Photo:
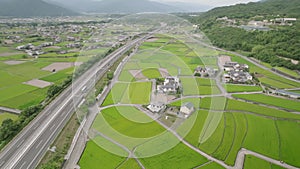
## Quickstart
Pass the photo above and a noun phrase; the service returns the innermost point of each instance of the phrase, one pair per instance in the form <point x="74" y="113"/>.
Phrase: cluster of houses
<point x="276" y="21"/>
<point x="32" y="50"/>
<point x="237" y="73"/>
<point x="71" y="35"/>
<point x="205" y="72"/>
<point x="170" y="85"/>
<point x="262" y="24"/>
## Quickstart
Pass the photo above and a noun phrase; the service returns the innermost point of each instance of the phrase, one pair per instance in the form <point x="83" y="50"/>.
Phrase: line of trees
<point x="9" y="128"/>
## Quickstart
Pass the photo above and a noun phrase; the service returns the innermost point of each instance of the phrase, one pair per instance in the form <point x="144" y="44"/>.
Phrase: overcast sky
<point x="213" y="3"/>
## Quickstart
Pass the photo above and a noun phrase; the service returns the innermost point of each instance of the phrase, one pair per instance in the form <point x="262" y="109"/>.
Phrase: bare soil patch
<point x="223" y="59"/>
<point x="53" y="47"/>
<point x="152" y="40"/>
<point x="164" y="72"/>
<point x="58" y="66"/>
<point x="9" y="54"/>
<point x="38" y="83"/>
<point x="137" y="74"/>
<point x="14" y="62"/>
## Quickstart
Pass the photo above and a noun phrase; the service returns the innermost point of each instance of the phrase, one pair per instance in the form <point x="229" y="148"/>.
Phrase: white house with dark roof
<point x="156" y="107"/>
<point x="187" y="109"/>
<point x="204" y="72"/>
<point x="170" y="85"/>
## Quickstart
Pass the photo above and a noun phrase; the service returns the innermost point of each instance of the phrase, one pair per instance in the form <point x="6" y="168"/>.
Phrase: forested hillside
<point x="273" y="46"/>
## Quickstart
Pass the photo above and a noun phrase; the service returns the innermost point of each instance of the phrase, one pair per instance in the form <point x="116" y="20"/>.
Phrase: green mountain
<point x="284" y="8"/>
<point x="28" y="8"/>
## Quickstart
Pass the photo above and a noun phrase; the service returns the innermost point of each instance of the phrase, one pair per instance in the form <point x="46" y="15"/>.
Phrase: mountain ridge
<point x="118" y="6"/>
<point x="30" y="8"/>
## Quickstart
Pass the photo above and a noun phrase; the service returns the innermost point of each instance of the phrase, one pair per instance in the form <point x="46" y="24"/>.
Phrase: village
<point x="59" y="37"/>
<point x="257" y="23"/>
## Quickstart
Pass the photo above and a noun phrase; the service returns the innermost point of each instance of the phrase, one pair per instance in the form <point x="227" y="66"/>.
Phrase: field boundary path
<point x="9" y="110"/>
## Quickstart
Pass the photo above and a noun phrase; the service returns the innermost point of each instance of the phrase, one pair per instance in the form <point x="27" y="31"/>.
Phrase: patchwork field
<point x="151" y="73"/>
<point x="220" y="126"/>
<point x="94" y="156"/>
<point x="133" y="124"/>
<point x="253" y="162"/>
<point x="241" y="88"/>
<point x="178" y="157"/>
<point x="129" y="93"/>
<point x="259" y="110"/>
<point x="199" y="86"/>
<point x="128" y="131"/>
<point x="27" y="80"/>
<point x="271" y="100"/>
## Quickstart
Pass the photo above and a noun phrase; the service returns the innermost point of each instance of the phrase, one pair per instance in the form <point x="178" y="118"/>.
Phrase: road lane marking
<point x="23" y="164"/>
<point x="36" y="126"/>
<point x="1" y="164"/>
<point x="52" y="128"/>
<point x="39" y="144"/>
<point x="20" y="143"/>
<point x="62" y="113"/>
<point x="46" y="142"/>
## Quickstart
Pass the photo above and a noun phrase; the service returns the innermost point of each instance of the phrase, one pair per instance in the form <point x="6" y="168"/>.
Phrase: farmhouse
<point x="285" y="20"/>
<point x="237" y="77"/>
<point x="187" y="109"/>
<point x="156" y="107"/>
<point x="170" y="85"/>
<point x="229" y="66"/>
<point x="204" y="72"/>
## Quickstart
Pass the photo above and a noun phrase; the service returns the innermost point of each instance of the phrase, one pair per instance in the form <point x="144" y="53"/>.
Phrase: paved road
<point x="26" y="149"/>
<point x="239" y="163"/>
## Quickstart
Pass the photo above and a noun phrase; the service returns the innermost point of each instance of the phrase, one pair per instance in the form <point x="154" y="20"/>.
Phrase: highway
<point x="29" y="146"/>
